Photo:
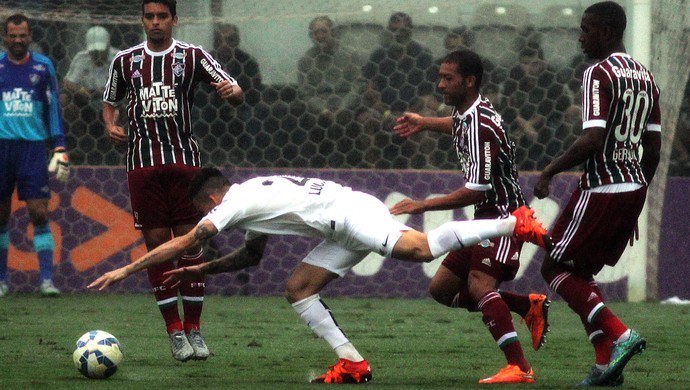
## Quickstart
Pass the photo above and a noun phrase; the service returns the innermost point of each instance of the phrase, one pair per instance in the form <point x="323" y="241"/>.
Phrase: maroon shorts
<point x="595" y="228"/>
<point x="160" y="196"/>
<point x="498" y="257"/>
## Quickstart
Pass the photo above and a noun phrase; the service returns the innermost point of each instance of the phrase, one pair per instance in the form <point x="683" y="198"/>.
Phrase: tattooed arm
<point x="169" y="251"/>
<point x="246" y="256"/>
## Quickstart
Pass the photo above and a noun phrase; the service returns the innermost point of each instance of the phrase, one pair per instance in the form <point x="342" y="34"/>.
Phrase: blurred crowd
<point x="340" y="112"/>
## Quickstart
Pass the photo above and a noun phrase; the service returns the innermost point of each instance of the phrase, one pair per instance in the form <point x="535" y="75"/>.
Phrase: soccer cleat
<point x="537" y="319"/>
<point x="528" y="228"/>
<point x="4" y="290"/>
<point x="621" y="353"/>
<point x="196" y="340"/>
<point x="346" y="371"/>
<point x="594" y="379"/>
<point x="510" y="374"/>
<point x="48" y="289"/>
<point x="181" y="349"/>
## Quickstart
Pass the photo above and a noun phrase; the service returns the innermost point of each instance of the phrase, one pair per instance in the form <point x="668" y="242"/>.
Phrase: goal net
<point x="304" y="113"/>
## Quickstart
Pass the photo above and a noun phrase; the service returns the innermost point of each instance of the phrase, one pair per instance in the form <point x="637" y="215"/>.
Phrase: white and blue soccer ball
<point x="97" y="354"/>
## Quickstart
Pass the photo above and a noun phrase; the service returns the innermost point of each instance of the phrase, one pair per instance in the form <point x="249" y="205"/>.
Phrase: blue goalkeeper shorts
<point x="23" y="164"/>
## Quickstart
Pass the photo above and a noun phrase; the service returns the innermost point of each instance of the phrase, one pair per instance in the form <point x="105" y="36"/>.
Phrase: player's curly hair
<point x="469" y="64"/>
<point x="207" y="181"/>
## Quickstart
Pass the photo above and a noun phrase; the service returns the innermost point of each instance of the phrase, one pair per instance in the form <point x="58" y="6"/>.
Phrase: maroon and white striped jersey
<point x="160" y="89"/>
<point x="487" y="159"/>
<point x="620" y="95"/>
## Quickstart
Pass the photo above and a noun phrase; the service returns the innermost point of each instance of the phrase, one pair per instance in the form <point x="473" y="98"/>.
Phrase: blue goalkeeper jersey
<point x="29" y="109"/>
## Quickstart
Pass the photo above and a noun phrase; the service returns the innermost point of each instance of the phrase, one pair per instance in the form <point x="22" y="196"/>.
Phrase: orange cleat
<point x="346" y="371"/>
<point x="537" y="319"/>
<point x="528" y="228"/>
<point x="510" y="374"/>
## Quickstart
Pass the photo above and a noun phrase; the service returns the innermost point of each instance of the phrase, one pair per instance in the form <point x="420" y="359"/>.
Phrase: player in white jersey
<point x="351" y="224"/>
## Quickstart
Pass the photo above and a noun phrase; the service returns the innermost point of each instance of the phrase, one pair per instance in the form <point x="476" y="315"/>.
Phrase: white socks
<point x="318" y="317"/>
<point x="459" y="234"/>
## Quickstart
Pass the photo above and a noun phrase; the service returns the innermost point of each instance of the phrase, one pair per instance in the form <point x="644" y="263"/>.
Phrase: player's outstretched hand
<point x="407" y="206"/>
<point x="175" y="276"/>
<point x="408" y="124"/>
<point x="541" y="189"/>
<point x="108" y="278"/>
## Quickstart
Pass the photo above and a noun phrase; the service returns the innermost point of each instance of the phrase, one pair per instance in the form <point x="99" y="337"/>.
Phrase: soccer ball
<point x="97" y="354"/>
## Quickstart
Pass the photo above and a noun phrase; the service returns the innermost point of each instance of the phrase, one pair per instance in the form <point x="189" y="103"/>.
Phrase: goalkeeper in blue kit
<point x="29" y="118"/>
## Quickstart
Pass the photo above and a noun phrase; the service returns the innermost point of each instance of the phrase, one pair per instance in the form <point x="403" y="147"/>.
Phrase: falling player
<point x="351" y="224"/>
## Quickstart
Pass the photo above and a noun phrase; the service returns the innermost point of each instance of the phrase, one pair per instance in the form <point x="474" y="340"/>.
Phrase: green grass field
<point x="260" y="343"/>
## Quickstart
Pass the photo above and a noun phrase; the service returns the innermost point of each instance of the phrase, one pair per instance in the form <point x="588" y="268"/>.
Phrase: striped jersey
<point x="620" y="95"/>
<point x="487" y="159"/>
<point x="30" y="107"/>
<point x="160" y="87"/>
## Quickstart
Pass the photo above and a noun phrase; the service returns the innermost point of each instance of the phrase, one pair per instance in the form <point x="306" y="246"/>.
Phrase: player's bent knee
<point x="440" y="294"/>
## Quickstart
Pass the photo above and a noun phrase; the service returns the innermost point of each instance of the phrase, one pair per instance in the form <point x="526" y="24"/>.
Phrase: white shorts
<point x="367" y="227"/>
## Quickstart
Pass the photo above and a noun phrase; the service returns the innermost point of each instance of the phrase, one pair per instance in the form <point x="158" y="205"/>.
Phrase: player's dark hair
<point x="207" y="181"/>
<point x="468" y="64"/>
<point x="611" y="14"/>
<point x="171" y="4"/>
<point x="17" y="19"/>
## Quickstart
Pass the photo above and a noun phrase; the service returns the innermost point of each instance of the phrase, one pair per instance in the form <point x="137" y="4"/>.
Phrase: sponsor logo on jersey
<point x="180" y="56"/>
<point x="486" y="243"/>
<point x="487" y="160"/>
<point x="628" y="73"/>
<point x="137" y="58"/>
<point x="596" y="104"/>
<point x="516" y="256"/>
<point x="34" y="78"/>
<point x="113" y="86"/>
<point x="18" y="102"/>
<point x="211" y="70"/>
<point x="486" y="261"/>
<point x="40" y="68"/>
<point x="136" y="74"/>
<point x="158" y="100"/>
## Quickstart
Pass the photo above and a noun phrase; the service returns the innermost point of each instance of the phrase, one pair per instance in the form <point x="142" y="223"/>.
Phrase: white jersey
<point x="282" y="205"/>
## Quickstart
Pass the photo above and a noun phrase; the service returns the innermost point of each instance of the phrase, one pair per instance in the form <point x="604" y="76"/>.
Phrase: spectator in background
<point x="328" y="71"/>
<point x="221" y="123"/>
<point x="397" y="70"/>
<point x="239" y="63"/>
<point x="82" y="91"/>
<point x="536" y="103"/>
<point x="89" y="68"/>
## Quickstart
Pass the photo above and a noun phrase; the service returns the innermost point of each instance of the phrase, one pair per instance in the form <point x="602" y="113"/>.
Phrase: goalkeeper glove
<point x="59" y="164"/>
